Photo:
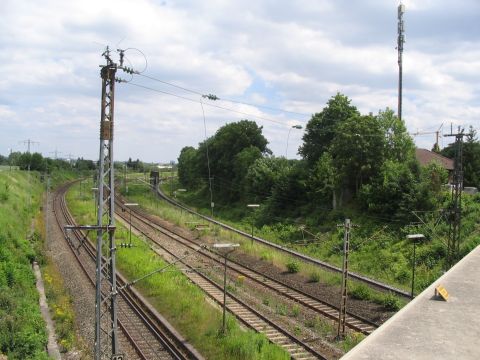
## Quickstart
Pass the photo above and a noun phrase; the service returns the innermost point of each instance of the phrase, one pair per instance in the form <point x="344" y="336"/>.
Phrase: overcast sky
<point x="292" y="55"/>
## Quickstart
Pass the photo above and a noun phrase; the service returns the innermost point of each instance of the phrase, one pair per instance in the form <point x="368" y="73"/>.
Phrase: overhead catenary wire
<point x="225" y="99"/>
<point x="208" y="104"/>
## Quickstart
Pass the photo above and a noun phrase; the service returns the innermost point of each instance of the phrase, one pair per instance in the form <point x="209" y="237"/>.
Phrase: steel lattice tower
<point x="453" y="246"/>
<point x="342" y="312"/>
<point x="400" y="42"/>
<point x="106" y="339"/>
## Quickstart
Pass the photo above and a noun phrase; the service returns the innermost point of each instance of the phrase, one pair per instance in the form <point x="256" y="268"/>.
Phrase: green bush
<point x="266" y="256"/>
<point x="391" y="302"/>
<point x="314" y="277"/>
<point x="282" y="309"/>
<point x="293" y="267"/>
<point x="361" y="292"/>
<point x="402" y="275"/>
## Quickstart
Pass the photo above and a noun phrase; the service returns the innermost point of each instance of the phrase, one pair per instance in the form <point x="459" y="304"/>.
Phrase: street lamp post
<point x="288" y="137"/>
<point x="253" y="206"/>
<point x="231" y="247"/>
<point x="414" y="238"/>
<point x="129" y="205"/>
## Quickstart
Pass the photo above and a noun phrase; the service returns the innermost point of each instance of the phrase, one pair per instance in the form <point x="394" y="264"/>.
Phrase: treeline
<point x="348" y="160"/>
<point x="36" y="162"/>
<point x="135" y="166"/>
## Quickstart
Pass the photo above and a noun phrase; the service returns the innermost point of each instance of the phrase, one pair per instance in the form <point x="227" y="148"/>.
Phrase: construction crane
<point x="436" y="147"/>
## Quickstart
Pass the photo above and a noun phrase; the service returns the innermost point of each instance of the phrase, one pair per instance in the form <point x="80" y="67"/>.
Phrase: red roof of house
<point x="426" y="157"/>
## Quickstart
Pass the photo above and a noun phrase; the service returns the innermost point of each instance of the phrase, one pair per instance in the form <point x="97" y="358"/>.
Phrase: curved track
<point x="324" y="308"/>
<point x="373" y="283"/>
<point x="142" y="328"/>
<point x="150" y="228"/>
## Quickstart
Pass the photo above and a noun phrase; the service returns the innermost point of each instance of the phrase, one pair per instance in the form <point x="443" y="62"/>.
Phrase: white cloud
<point x="295" y="56"/>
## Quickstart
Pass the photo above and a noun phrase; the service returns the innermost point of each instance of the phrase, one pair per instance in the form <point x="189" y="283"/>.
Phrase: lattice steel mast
<point x="455" y="214"/>
<point x="400" y="42"/>
<point x="106" y="336"/>
<point x="342" y="312"/>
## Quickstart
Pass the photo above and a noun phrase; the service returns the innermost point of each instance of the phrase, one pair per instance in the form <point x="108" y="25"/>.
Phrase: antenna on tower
<point x="400" y="42"/>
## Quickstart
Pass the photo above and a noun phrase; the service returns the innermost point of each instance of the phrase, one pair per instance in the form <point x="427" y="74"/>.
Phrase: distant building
<point x="426" y="157"/>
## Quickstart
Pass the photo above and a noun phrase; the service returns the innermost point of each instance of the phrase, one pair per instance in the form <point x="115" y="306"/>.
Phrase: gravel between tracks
<point x="78" y="286"/>
<point x="258" y="297"/>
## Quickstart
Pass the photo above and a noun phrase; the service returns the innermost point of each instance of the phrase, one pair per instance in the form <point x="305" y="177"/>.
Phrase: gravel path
<point x="52" y="346"/>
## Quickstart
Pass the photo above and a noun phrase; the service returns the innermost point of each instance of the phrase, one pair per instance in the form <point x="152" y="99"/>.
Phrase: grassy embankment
<point x="22" y="234"/>
<point x="22" y="329"/>
<point x="181" y="302"/>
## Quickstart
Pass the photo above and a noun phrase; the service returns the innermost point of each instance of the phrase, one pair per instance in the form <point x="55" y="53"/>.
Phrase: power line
<point x="225" y="99"/>
<point x="209" y="104"/>
<point x="29" y="142"/>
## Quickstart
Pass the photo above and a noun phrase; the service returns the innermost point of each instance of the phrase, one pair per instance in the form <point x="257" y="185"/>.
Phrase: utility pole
<point x="70" y="158"/>
<point x="56" y="152"/>
<point x="125" y="187"/>
<point x="400" y="42"/>
<point x="212" y="204"/>
<point x="29" y="142"/>
<point x="342" y="312"/>
<point x="10" y="158"/>
<point x="106" y="336"/>
<point x="455" y="218"/>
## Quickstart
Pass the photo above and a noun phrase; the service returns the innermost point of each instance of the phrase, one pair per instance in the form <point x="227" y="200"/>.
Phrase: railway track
<point x="240" y="309"/>
<point x="371" y="282"/>
<point x="147" y="225"/>
<point x="143" y="330"/>
<point x="321" y="307"/>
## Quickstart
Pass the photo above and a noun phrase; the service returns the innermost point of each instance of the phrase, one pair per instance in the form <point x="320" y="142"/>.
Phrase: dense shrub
<point x="361" y="292"/>
<point x="391" y="302"/>
<point x="293" y="267"/>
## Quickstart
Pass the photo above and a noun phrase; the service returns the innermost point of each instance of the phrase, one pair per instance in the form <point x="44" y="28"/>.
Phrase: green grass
<point x="379" y="249"/>
<point x="181" y="302"/>
<point x="61" y="307"/>
<point x="141" y="194"/>
<point x="8" y="167"/>
<point x="144" y="196"/>
<point x="22" y="329"/>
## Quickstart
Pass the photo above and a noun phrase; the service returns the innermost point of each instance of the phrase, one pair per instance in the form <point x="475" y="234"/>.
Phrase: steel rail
<point x="371" y="282"/>
<point x="324" y="308"/>
<point x="244" y="312"/>
<point x="164" y="333"/>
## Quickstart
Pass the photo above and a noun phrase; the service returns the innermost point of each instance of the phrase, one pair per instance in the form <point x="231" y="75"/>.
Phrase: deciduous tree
<point x="321" y="129"/>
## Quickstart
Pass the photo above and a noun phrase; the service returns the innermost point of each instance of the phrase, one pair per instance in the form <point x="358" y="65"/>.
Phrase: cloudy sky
<point x="280" y="55"/>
